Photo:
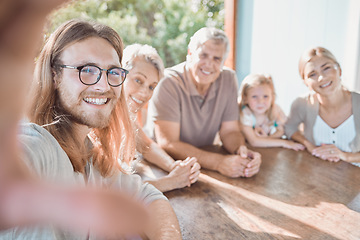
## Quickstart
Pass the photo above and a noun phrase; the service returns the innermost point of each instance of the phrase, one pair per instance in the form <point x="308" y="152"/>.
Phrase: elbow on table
<point x="289" y="131"/>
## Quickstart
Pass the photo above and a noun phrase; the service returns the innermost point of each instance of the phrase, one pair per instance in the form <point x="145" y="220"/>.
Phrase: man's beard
<point x="75" y="114"/>
<point x="98" y="122"/>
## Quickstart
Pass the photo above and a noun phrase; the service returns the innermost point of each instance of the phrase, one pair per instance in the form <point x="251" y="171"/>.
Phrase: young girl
<point x="262" y="120"/>
<point x="145" y="70"/>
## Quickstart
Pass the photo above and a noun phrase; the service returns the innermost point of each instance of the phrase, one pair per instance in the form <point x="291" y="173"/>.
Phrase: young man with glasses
<point x="197" y="99"/>
<point x="80" y="131"/>
<point x="24" y="198"/>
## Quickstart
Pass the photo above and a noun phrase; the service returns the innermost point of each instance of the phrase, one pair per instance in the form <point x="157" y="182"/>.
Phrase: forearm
<point x="156" y="155"/>
<point x="299" y="137"/>
<point x="266" y="142"/>
<point x="12" y="168"/>
<point x="39" y="207"/>
<point x="278" y="134"/>
<point x="232" y="141"/>
<point x="12" y="86"/>
<point x="163" y="223"/>
<point x="180" y="150"/>
<point x="18" y="19"/>
<point x="163" y="184"/>
<point x="352" y="157"/>
<point x="106" y="213"/>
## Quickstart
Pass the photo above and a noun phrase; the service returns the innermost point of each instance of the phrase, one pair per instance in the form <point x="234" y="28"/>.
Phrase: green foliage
<point x="166" y="25"/>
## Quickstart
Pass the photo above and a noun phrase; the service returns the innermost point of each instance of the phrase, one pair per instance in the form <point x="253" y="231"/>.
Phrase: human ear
<point x="340" y="72"/>
<point x="55" y="77"/>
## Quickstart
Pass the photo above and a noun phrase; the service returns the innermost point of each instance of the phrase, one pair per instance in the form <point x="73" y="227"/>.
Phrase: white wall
<point x="283" y="29"/>
<point x="352" y="49"/>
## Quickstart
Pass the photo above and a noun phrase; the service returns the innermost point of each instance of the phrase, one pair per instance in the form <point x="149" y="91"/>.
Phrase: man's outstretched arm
<point x="21" y="23"/>
<point x="163" y="223"/>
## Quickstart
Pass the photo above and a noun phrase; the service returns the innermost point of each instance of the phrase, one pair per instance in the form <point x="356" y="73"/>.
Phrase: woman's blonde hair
<point x="312" y="52"/>
<point x="109" y="144"/>
<point x="255" y="80"/>
<point x="148" y="53"/>
<point x="132" y="53"/>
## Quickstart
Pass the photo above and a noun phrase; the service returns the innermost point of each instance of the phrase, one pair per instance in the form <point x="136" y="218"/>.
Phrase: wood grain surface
<point x="294" y="196"/>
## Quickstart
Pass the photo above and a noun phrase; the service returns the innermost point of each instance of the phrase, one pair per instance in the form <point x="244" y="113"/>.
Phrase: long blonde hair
<point x="109" y="144"/>
<point x="255" y="80"/>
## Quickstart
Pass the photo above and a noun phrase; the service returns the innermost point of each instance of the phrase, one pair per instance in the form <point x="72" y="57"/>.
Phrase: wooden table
<point x="294" y="196"/>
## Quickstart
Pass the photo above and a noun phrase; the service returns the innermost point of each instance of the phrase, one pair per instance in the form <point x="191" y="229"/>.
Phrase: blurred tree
<point x="166" y="25"/>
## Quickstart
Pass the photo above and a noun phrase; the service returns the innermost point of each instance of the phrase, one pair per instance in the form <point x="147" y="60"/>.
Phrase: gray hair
<point x="209" y="33"/>
<point x="148" y="53"/>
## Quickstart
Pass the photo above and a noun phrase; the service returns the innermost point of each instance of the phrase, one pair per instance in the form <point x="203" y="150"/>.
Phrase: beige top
<point x="177" y="100"/>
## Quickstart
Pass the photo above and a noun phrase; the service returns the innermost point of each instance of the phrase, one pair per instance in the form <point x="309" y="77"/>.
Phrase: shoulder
<point x="228" y="75"/>
<point x="246" y="111"/>
<point x="246" y="116"/>
<point x="304" y="101"/>
<point x="42" y="152"/>
<point x="36" y="133"/>
<point x="176" y="69"/>
<point x="227" y="82"/>
<point x="174" y="73"/>
<point x="228" y="71"/>
<point x="355" y="96"/>
<point x="173" y="77"/>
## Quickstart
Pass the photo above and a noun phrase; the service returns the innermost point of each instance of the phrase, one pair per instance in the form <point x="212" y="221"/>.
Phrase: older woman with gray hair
<point x="145" y="71"/>
<point x="330" y="116"/>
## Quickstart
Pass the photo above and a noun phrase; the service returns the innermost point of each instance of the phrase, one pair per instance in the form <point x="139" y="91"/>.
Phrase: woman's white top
<point x="340" y="136"/>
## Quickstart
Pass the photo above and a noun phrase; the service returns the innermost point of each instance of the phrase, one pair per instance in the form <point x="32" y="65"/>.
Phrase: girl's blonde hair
<point x="114" y="142"/>
<point x="255" y="80"/>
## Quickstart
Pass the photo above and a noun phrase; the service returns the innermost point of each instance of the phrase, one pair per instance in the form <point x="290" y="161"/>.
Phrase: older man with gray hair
<point x="196" y="100"/>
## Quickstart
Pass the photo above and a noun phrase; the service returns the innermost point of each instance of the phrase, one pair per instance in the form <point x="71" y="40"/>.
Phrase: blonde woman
<point x="330" y="113"/>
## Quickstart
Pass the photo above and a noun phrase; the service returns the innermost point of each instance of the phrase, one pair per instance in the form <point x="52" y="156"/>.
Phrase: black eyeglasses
<point x="91" y="74"/>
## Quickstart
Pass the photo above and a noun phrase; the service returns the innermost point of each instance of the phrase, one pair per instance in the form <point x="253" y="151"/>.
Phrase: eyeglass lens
<point x="91" y="74"/>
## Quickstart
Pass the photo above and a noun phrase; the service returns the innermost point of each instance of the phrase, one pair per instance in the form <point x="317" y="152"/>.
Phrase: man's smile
<point x="96" y="101"/>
